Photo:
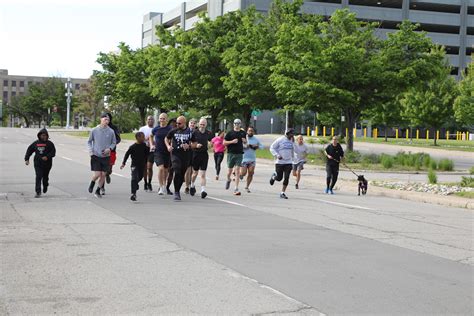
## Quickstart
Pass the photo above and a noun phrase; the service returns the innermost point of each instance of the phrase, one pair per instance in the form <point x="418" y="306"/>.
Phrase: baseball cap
<point x="237" y="121"/>
<point x="290" y="131"/>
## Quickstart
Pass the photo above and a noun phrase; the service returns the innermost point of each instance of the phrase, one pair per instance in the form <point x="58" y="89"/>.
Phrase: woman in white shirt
<point x="301" y="152"/>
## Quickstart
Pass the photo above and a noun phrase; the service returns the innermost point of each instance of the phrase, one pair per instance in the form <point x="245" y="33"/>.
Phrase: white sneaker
<point x="160" y="192"/>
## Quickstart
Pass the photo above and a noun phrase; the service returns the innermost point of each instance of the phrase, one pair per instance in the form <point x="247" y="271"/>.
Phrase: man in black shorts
<point x="178" y="141"/>
<point x="162" y="155"/>
<point x="235" y="140"/>
<point x="100" y="144"/>
<point x="200" y="156"/>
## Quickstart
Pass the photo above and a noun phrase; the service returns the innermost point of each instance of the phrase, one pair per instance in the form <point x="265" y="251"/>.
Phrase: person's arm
<point x="228" y="142"/>
<point x="274" y="149"/>
<point x="342" y="152"/>
<point x="326" y="152"/>
<point x="151" y="141"/>
<point x="52" y="152"/>
<point x="125" y="158"/>
<point x="168" y="141"/>
<point x="90" y="143"/>
<point x="29" y="151"/>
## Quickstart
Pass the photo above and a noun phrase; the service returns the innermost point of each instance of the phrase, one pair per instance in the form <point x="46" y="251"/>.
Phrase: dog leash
<point x="344" y="164"/>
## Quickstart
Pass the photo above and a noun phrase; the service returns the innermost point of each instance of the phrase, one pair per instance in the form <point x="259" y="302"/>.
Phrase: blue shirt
<point x="160" y="133"/>
<point x="250" y="153"/>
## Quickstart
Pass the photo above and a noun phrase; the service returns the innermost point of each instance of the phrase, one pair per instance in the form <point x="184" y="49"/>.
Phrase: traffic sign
<point x="256" y="112"/>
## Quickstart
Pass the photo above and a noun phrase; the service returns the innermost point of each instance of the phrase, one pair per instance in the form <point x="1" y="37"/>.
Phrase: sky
<point x="63" y="37"/>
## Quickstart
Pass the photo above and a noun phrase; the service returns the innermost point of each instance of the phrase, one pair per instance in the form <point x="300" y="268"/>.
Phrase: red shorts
<point x="113" y="157"/>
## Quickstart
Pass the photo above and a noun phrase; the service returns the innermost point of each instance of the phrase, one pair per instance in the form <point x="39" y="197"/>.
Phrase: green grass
<point x="465" y="194"/>
<point x="460" y="145"/>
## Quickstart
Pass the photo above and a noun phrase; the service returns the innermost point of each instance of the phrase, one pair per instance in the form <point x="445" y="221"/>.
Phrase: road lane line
<point x="345" y="205"/>
<point x="66" y="158"/>
<point x="120" y="175"/>
<point x="226" y="201"/>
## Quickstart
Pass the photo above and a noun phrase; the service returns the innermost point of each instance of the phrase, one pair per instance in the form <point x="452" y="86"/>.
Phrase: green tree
<point x="464" y="102"/>
<point x="431" y="105"/>
<point x="90" y="100"/>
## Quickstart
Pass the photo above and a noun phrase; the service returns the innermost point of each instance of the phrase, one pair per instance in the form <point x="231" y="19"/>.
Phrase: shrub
<point x="433" y="164"/>
<point x="446" y="165"/>
<point x="426" y="159"/>
<point x="387" y="161"/>
<point x="353" y="156"/>
<point x="432" y="178"/>
<point x="370" y="159"/>
<point x="471" y="171"/>
<point x="467" y="182"/>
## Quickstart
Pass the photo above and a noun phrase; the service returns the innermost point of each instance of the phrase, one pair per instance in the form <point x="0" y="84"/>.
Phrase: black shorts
<point x="200" y="160"/>
<point x="162" y="158"/>
<point x="100" y="163"/>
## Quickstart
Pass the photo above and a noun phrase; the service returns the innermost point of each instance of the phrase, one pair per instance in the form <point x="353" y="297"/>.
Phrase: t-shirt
<point x="147" y="131"/>
<point x="180" y="137"/>
<point x="159" y="134"/>
<point x="250" y="151"/>
<point x="203" y="139"/>
<point x="237" y="148"/>
<point x="138" y="153"/>
<point x="219" y="146"/>
<point x="300" y="152"/>
<point x="336" y="152"/>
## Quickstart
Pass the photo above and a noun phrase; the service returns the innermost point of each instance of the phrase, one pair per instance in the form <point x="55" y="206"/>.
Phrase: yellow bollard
<point x="376" y="133"/>
<point x="307" y="131"/>
<point x="427" y="134"/>
<point x="354" y="132"/>
<point x="365" y="132"/>
<point x="467" y="135"/>
<point x="417" y="133"/>
<point x="407" y="134"/>
<point x="316" y="131"/>
<point x="396" y="133"/>
<point x="324" y="131"/>
<point x="437" y="135"/>
<point x="347" y="132"/>
<point x="457" y="135"/>
<point x="447" y="135"/>
<point x="332" y="131"/>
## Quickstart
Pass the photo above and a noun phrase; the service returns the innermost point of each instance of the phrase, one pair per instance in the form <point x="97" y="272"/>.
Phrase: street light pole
<point x="68" y="99"/>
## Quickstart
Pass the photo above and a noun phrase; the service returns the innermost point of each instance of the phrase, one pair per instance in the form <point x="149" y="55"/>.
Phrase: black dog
<point x="363" y="184"/>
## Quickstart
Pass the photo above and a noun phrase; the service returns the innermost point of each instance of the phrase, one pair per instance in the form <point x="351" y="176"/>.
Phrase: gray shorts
<point x="298" y="166"/>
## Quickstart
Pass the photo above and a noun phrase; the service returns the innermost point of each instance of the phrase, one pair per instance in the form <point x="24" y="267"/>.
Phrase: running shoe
<point x="107" y="178"/>
<point x="177" y="196"/>
<point x="192" y="191"/>
<point x="145" y="187"/>
<point x="227" y="184"/>
<point x="168" y="191"/>
<point x="247" y="189"/>
<point x="150" y="187"/>
<point x="272" y="179"/>
<point x="102" y="190"/>
<point x="133" y="197"/>
<point x="186" y="190"/>
<point x="97" y="193"/>
<point x="38" y="195"/>
<point x="296" y="186"/>
<point x="331" y="191"/>
<point x="91" y="187"/>
<point x="217" y="177"/>
<point x="203" y="194"/>
<point x="45" y="189"/>
<point x="241" y="178"/>
<point x="326" y="191"/>
<point x="283" y="196"/>
<point x="237" y="192"/>
<point x="160" y="191"/>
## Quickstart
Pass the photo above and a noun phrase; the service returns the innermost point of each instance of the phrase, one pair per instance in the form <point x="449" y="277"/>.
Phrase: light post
<point x="68" y="95"/>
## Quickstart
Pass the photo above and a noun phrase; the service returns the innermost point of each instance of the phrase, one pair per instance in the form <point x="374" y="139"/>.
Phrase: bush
<point x="323" y="141"/>
<point x="387" y="161"/>
<point x="432" y="178"/>
<point x="467" y="182"/>
<point x="371" y="159"/>
<point x="426" y="159"/>
<point x="353" y="156"/>
<point x="471" y="171"/>
<point x="446" y="165"/>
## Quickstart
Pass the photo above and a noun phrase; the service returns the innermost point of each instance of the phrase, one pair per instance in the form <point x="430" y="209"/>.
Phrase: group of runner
<point x="180" y="152"/>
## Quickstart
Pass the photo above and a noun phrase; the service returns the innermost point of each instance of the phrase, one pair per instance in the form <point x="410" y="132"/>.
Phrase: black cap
<point x="290" y="131"/>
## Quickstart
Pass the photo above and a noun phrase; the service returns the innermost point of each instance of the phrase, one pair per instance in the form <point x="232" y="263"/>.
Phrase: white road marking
<point x="120" y="175"/>
<point x="61" y="145"/>
<point x="66" y="158"/>
<point x="346" y="205"/>
<point x="225" y="201"/>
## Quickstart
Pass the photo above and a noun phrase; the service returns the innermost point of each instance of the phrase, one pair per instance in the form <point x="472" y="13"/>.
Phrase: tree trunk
<point x="247" y="113"/>
<point x="291" y="119"/>
<point x="350" y="126"/>
<point x="386" y="133"/>
<point x="142" y="111"/>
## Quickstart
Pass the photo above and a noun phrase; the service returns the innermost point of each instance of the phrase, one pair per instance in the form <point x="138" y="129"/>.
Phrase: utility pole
<point x="68" y="94"/>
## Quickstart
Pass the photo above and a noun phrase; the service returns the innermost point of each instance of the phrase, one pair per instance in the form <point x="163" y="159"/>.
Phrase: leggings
<point x="137" y="176"/>
<point x="218" y="157"/>
<point x="180" y="164"/>
<point x="283" y="172"/>
<point x="42" y="175"/>
<point x="332" y="171"/>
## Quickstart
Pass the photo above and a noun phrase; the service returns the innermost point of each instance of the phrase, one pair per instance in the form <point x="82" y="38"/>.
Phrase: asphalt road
<point x="338" y="254"/>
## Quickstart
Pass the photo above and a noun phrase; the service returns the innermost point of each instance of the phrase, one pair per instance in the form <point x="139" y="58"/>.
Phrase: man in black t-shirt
<point x="200" y="156"/>
<point x="334" y="153"/>
<point x="235" y="140"/>
<point x="178" y="141"/>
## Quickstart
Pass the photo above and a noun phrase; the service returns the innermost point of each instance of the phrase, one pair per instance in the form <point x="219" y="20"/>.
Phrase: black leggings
<point x="218" y="157"/>
<point x="283" y="172"/>
<point x="137" y="176"/>
<point x="180" y="164"/>
<point x="42" y="175"/>
<point x="332" y="171"/>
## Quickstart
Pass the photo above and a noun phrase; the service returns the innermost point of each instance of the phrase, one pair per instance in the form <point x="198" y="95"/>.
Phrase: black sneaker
<point x="102" y="190"/>
<point x="45" y="189"/>
<point x="145" y="187"/>
<point x="192" y="191"/>
<point x="97" y="193"/>
<point x="241" y="178"/>
<point x="296" y="186"/>
<point x="177" y="196"/>
<point x="227" y="184"/>
<point x="186" y="190"/>
<point x="38" y="195"/>
<point x="133" y="197"/>
<point x="107" y="178"/>
<point x="91" y="187"/>
<point x="168" y="191"/>
<point x="203" y="194"/>
<point x="150" y="187"/>
<point x="272" y="179"/>
<point x="283" y="196"/>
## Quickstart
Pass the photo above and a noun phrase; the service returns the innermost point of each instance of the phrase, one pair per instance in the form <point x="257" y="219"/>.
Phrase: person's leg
<point x="220" y="158"/>
<point x="251" y="171"/>
<point x="134" y="180"/>
<point x="230" y="168"/>
<point x="328" y="177"/>
<point x="216" y="165"/>
<point x="279" y="172"/>
<point x="286" y="175"/>
<point x="335" y="173"/>
<point x="298" y="175"/>
<point x="187" y="178"/>
<point x="46" y="170"/>
<point x="180" y="167"/>
<point x="38" y="178"/>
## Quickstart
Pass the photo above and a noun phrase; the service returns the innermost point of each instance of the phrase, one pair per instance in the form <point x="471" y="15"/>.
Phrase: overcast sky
<point x="63" y="37"/>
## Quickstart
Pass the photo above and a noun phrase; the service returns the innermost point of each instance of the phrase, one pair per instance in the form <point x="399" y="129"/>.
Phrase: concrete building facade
<point x="449" y="23"/>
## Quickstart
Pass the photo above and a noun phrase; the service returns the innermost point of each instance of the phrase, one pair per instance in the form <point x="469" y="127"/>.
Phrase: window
<point x="22" y="84"/>
<point x="13" y="94"/>
<point x="77" y="86"/>
<point x="13" y="83"/>
<point x="5" y="83"/>
<point x="5" y="96"/>
<point x="30" y="83"/>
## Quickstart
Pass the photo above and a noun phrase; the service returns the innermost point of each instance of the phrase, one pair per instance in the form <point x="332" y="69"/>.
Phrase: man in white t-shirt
<point x="148" y="174"/>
